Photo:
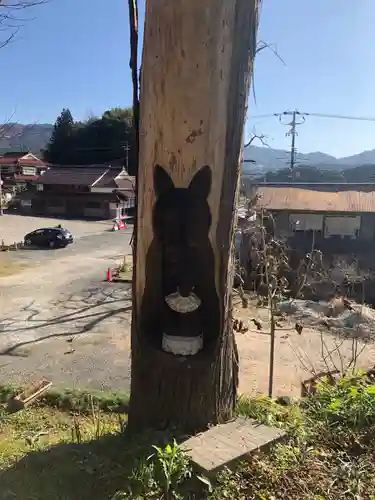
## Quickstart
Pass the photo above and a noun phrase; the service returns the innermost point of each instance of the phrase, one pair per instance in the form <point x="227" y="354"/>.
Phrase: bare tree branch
<point x="265" y="261"/>
<point x="10" y="20"/>
<point x="257" y="137"/>
<point x="10" y="24"/>
<point x="261" y="46"/>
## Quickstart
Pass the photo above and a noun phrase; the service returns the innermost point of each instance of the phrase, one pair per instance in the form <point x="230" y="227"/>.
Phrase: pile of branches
<point x="273" y="266"/>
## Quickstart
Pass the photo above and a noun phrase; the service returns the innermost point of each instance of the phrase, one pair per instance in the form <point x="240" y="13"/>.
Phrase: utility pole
<point x="292" y="132"/>
<point x="197" y="65"/>
<point x="127" y="149"/>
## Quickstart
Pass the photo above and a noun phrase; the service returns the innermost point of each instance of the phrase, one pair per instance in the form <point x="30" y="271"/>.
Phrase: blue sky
<point x="75" y="53"/>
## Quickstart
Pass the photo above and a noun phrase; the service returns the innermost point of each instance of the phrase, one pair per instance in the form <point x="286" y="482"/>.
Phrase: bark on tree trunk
<point x="196" y="69"/>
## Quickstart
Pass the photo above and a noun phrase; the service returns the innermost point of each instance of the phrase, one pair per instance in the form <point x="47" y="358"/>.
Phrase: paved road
<point x="74" y="266"/>
<point x="105" y="241"/>
<point x="62" y="320"/>
<point x="13" y="227"/>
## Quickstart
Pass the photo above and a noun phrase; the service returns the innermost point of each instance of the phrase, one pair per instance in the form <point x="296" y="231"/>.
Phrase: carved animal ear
<point x="200" y="184"/>
<point x="162" y="182"/>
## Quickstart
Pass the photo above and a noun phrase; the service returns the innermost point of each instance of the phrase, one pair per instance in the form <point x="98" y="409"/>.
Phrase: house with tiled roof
<point x="84" y="191"/>
<point x="20" y="168"/>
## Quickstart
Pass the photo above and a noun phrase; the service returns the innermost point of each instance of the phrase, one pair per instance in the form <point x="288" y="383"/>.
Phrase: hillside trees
<point x="58" y="148"/>
<point x="97" y="140"/>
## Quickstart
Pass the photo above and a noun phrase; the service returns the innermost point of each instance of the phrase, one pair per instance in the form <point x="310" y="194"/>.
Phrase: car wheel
<point x="51" y="244"/>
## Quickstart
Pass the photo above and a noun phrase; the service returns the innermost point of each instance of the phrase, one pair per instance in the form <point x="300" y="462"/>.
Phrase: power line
<point x="298" y="118"/>
<point x="93" y="165"/>
<point x="342" y="117"/>
<point x="317" y="115"/>
<point x="121" y="145"/>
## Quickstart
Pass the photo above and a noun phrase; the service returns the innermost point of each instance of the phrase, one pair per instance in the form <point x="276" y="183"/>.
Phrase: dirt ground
<point x="14" y="227"/>
<point x="8" y="266"/>
<point x="61" y="320"/>
<point x="296" y="356"/>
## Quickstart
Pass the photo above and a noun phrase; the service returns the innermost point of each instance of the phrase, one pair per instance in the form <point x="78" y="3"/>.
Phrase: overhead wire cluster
<point x="318" y="115"/>
<point x="298" y="118"/>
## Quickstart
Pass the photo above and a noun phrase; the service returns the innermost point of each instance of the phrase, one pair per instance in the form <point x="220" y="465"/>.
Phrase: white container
<point x="182" y="346"/>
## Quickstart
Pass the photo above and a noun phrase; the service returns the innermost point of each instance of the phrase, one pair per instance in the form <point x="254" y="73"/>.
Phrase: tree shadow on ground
<point x="91" y="470"/>
<point x="112" y="303"/>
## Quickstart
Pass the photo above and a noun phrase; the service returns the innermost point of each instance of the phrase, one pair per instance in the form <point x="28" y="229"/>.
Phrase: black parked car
<point x="51" y="237"/>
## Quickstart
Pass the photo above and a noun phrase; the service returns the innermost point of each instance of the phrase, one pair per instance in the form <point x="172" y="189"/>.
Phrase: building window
<point x="306" y="222"/>
<point x="7" y="170"/>
<point x="56" y="202"/>
<point x="28" y="170"/>
<point x="343" y="226"/>
<point x="79" y="188"/>
<point x="94" y="204"/>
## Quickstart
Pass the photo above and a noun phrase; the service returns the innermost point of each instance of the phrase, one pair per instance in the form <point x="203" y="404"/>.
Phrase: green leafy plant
<point x="142" y="481"/>
<point x="172" y="467"/>
<point x="161" y="475"/>
<point x="349" y="403"/>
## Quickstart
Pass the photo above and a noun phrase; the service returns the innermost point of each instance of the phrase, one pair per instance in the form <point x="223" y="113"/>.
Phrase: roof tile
<point x="73" y="175"/>
<point x="293" y="199"/>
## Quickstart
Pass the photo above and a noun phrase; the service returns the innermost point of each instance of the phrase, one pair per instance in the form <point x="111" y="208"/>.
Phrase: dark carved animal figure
<point x="180" y="258"/>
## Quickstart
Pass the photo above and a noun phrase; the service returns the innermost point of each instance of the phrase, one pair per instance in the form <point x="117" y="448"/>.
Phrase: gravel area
<point x="60" y="319"/>
<point x="62" y="300"/>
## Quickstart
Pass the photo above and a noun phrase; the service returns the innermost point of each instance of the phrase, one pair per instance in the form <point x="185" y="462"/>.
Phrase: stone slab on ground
<point x="228" y="443"/>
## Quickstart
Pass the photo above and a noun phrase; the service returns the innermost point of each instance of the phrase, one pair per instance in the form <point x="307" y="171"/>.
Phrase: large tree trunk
<point x="196" y="70"/>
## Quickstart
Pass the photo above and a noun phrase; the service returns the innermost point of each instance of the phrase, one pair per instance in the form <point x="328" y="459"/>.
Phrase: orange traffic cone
<point x="109" y="274"/>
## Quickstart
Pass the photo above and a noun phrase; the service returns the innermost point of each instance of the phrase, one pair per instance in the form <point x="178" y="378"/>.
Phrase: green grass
<point x="75" y="400"/>
<point x="47" y="453"/>
<point x="70" y="445"/>
<point x="50" y="453"/>
<point x="329" y="454"/>
<point x="125" y="270"/>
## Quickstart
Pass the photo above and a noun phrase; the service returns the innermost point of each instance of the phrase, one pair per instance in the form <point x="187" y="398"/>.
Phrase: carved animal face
<point x="181" y="222"/>
<point x="182" y="214"/>
<point x="176" y="208"/>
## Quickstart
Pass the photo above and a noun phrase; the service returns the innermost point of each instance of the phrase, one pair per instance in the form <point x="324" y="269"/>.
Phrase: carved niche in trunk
<point x="180" y="310"/>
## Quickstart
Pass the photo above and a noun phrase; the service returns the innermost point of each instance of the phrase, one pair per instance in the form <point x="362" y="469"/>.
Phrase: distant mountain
<point x="267" y="159"/>
<point x="17" y="137"/>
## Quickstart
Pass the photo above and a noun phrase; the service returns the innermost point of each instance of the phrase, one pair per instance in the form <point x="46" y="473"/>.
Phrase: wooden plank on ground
<point x="29" y="395"/>
<point x="226" y="444"/>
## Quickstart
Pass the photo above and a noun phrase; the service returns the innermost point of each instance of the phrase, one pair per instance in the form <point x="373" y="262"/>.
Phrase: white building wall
<point x="94" y="189"/>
